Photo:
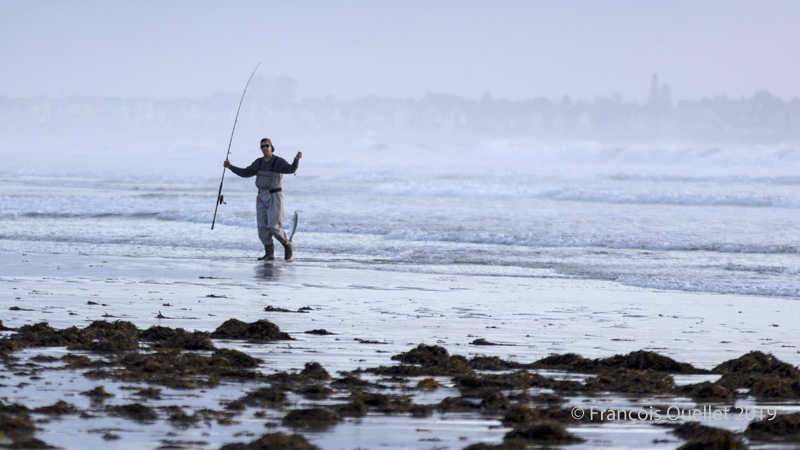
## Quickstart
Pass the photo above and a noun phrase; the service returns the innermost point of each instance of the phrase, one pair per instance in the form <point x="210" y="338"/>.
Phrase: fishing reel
<point x="221" y="200"/>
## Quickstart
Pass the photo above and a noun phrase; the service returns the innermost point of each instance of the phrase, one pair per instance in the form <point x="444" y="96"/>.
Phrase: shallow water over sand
<point x="373" y="314"/>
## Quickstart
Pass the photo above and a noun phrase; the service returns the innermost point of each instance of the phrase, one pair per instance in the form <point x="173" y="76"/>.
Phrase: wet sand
<point x="369" y="316"/>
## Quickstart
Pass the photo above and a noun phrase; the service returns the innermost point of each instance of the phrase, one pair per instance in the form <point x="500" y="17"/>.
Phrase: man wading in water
<point x="269" y="172"/>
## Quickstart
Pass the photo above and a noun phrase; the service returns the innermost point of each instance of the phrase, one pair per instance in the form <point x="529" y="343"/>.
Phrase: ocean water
<point x="690" y="218"/>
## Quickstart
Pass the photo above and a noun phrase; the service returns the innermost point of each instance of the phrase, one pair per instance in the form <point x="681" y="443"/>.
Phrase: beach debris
<point x="354" y="383"/>
<point x="424" y="355"/>
<point x="215" y="296"/>
<point x="764" y="375"/>
<point x="134" y="411"/>
<point x="315" y="391"/>
<point x="315" y="371"/>
<point x="319" y="331"/>
<point x="487" y="401"/>
<point x="265" y="397"/>
<point x="165" y="337"/>
<point x="58" y="408"/>
<point x="274" y="441"/>
<point x="99" y="336"/>
<point x="382" y="402"/>
<point x="368" y="341"/>
<point x="97" y="394"/>
<point x="150" y="393"/>
<point x="509" y="445"/>
<point x="482" y="341"/>
<point x="701" y="437"/>
<point x="783" y="427"/>
<point x="632" y="381"/>
<point x="428" y="384"/>
<point x="177" y="417"/>
<point x="261" y="330"/>
<point x="638" y="360"/>
<point x="181" y="369"/>
<point x="493" y="363"/>
<point x="271" y="308"/>
<point x="709" y="392"/>
<point x="161" y="316"/>
<point x="17" y="308"/>
<point x="17" y="427"/>
<point x="74" y="361"/>
<point x="311" y="418"/>
<point x="520" y="379"/>
<point x="352" y="409"/>
<point x="545" y="432"/>
<point x="520" y="415"/>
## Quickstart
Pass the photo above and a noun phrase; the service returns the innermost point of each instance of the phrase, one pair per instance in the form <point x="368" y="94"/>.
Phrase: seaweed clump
<point x="701" y="437"/>
<point x="311" y="418"/>
<point x="97" y="394"/>
<point x="264" y="397"/>
<point x="99" y="336"/>
<point x="709" y="392"/>
<point x="426" y="360"/>
<point x="633" y="381"/>
<point x="261" y="330"/>
<point x="57" y="409"/>
<point x="545" y="432"/>
<point x="764" y="375"/>
<point x="520" y="379"/>
<point x="16" y="424"/>
<point x="178" y="369"/>
<point x="315" y="371"/>
<point x="638" y="360"/>
<point x="508" y="445"/>
<point x="785" y="427"/>
<point x="135" y="411"/>
<point x="165" y="337"/>
<point x="274" y="441"/>
<point x="521" y="415"/>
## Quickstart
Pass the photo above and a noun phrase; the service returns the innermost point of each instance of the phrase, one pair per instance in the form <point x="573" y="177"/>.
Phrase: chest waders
<point x="269" y="212"/>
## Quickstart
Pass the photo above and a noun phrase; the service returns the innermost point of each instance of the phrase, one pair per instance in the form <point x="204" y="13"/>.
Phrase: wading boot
<point x="269" y="253"/>
<point x="287" y="250"/>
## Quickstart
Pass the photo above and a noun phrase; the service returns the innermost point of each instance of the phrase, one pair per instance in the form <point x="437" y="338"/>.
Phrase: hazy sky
<point x="349" y="49"/>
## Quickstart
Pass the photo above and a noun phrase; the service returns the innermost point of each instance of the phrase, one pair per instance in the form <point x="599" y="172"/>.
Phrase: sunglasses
<point x="265" y="146"/>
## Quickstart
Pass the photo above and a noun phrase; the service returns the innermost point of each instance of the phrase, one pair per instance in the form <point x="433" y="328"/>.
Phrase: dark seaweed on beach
<point x="708" y="392"/>
<point x="639" y="360"/>
<point x="261" y="330"/>
<point x="701" y="437"/>
<point x="275" y="441"/>
<point x="311" y="418"/>
<point x="135" y="411"/>
<point x="165" y="337"/>
<point x="784" y="427"/>
<point x="545" y="432"/>
<point x="271" y="308"/>
<point x="181" y="369"/>
<point x="764" y="375"/>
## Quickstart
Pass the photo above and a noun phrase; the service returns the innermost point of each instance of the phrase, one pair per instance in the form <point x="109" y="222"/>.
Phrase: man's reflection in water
<point x="269" y="271"/>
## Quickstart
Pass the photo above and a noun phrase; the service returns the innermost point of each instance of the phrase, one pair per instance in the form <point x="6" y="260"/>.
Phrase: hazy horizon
<point x="513" y="50"/>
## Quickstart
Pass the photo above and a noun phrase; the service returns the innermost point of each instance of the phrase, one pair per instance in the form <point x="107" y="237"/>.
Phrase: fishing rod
<point x="219" y="194"/>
